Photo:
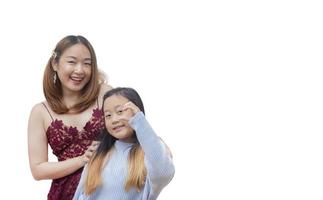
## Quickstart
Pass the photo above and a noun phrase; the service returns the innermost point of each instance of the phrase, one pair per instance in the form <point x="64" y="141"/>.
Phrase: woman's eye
<point x="107" y="116"/>
<point x="88" y="64"/>
<point x="71" y="62"/>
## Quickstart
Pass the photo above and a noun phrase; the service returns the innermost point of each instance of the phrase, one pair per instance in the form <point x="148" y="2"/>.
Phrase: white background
<point x="233" y="87"/>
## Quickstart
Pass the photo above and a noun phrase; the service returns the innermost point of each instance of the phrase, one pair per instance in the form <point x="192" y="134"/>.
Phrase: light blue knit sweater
<point x="159" y="165"/>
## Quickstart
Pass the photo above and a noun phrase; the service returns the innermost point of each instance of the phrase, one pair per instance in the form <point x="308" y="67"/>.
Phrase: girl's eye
<point x="107" y="116"/>
<point x="88" y="64"/>
<point x="71" y="62"/>
<point x="119" y="112"/>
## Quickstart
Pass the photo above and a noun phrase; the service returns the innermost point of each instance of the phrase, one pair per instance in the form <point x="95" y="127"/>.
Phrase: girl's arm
<point x="38" y="151"/>
<point x="160" y="168"/>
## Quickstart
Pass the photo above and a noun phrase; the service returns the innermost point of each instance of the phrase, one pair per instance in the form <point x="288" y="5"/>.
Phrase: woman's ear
<point x="54" y="65"/>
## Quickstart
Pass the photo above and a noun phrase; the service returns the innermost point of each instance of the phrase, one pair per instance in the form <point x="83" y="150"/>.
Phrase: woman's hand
<point x="89" y="152"/>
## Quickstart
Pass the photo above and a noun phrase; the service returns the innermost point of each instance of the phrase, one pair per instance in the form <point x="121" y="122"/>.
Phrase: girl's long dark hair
<point x="136" y="175"/>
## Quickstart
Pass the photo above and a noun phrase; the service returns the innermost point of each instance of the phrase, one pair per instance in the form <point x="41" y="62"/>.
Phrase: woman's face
<point x="116" y="119"/>
<point x="74" y="68"/>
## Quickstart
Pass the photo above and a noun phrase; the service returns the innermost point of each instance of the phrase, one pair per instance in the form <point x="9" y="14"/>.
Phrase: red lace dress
<point x="69" y="142"/>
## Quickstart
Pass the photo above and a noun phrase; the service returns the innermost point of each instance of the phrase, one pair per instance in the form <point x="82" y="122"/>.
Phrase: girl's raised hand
<point x="131" y="106"/>
<point x="130" y="109"/>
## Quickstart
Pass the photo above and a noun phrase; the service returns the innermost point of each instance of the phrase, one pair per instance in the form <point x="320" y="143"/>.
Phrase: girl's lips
<point x="118" y="128"/>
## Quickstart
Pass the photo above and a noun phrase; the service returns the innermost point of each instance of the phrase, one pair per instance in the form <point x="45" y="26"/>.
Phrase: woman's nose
<point x="79" y="68"/>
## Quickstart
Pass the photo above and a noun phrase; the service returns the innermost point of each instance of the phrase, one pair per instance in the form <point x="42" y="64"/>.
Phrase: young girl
<point x="70" y="118"/>
<point x="131" y="161"/>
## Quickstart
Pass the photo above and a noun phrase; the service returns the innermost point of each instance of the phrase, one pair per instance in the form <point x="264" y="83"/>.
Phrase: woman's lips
<point x="76" y="80"/>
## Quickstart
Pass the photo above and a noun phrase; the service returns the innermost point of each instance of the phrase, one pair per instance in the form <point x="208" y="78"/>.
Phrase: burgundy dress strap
<point x="48" y="111"/>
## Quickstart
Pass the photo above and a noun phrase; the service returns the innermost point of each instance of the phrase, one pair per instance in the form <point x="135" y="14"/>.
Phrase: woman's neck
<point x="70" y="99"/>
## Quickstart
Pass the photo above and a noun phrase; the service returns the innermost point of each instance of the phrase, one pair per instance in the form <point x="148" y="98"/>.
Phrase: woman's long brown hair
<point x="53" y="89"/>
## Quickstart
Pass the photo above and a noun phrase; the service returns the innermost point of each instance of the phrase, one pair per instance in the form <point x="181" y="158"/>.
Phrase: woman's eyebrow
<point x="71" y="57"/>
<point x="85" y="59"/>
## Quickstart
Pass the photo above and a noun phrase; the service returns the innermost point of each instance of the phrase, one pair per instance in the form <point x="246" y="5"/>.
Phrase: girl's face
<point x="116" y="119"/>
<point x="74" y="68"/>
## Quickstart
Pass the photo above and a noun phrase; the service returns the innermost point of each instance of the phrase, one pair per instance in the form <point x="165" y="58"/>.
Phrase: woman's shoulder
<point x="37" y="113"/>
<point x="104" y="87"/>
<point x="40" y="108"/>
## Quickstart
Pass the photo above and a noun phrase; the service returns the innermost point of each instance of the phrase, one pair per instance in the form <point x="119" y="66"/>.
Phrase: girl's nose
<point x="115" y="118"/>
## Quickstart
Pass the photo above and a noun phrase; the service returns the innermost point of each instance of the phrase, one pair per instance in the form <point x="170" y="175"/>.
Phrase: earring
<point x="54" y="54"/>
<point x="55" y="77"/>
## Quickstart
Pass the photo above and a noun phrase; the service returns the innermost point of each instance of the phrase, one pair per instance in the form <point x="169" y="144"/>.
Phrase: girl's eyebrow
<point x="106" y="111"/>
<point x="118" y="106"/>
<point x="115" y="107"/>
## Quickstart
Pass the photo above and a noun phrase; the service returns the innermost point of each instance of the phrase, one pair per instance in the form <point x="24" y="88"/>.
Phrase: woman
<point x="70" y="118"/>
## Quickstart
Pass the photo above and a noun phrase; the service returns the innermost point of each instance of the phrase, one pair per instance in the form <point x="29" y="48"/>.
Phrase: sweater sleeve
<point x="159" y="164"/>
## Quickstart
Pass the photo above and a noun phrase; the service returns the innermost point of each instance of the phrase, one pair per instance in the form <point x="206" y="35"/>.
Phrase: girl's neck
<point x="128" y="140"/>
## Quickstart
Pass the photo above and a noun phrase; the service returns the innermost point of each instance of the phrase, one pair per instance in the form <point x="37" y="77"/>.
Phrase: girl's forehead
<point x="114" y="100"/>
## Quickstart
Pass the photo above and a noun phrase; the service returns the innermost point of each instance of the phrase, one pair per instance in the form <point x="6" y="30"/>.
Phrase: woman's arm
<point x="38" y="151"/>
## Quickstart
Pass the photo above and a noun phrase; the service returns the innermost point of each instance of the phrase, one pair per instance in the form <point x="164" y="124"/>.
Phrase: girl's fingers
<point x="131" y="106"/>
<point x="126" y="106"/>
